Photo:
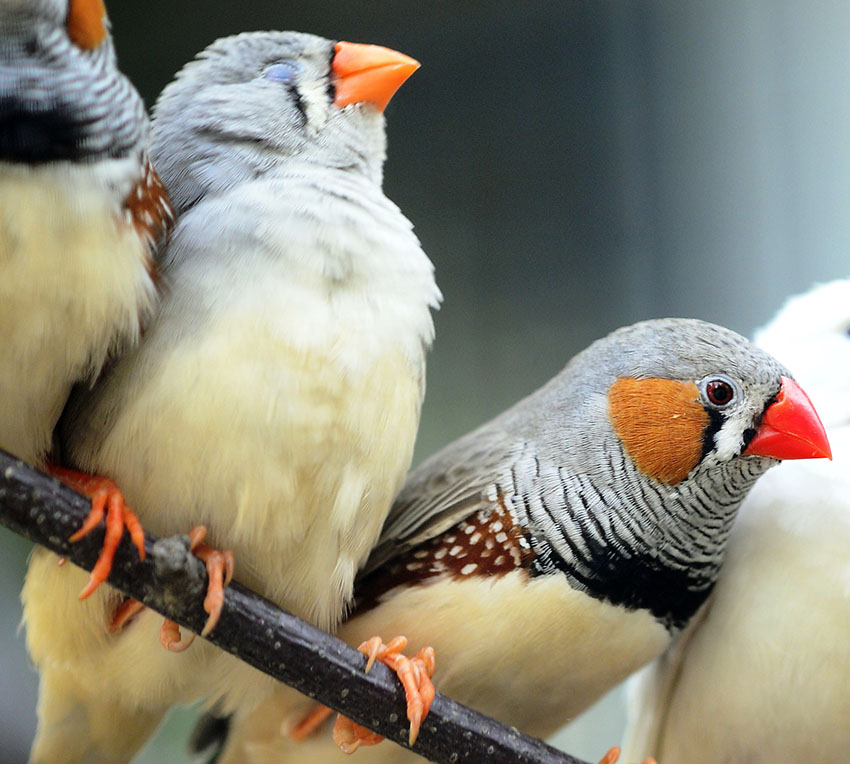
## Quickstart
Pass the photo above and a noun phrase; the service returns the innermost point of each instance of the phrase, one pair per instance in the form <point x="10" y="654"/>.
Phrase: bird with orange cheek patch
<point x="556" y="549"/>
<point x="82" y="214"/>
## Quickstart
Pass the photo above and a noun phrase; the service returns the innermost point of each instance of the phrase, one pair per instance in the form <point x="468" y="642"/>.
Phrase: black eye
<point x="719" y="392"/>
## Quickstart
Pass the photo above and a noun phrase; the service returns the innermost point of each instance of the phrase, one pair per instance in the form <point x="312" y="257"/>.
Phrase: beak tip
<point x="791" y="428"/>
<point x="369" y="73"/>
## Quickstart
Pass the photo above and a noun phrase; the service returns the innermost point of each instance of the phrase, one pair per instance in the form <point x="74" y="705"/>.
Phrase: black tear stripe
<point x="637" y="582"/>
<point x="715" y="422"/>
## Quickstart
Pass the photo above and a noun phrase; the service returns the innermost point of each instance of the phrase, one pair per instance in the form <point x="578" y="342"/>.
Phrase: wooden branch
<point x="172" y="581"/>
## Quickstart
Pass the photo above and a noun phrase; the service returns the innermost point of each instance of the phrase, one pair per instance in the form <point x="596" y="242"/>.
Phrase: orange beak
<point x="368" y="73"/>
<point x="791" y="428"/>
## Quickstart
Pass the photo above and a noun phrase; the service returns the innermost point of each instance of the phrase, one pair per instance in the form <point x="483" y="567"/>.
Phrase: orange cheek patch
<point x="86" y="23"/>
<point x="660" y="423"/>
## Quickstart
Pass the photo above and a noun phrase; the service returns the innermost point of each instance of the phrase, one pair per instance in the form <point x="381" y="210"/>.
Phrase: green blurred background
<point x="570" y="167"/>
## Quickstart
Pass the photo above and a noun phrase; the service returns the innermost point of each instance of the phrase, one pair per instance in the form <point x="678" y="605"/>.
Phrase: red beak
<point x="791" y="428"/>
<point x="368" y="73"/>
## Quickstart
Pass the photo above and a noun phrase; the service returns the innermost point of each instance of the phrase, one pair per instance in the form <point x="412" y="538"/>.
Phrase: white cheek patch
<point x="729" y="438"/>
<point x="314" y="96"/>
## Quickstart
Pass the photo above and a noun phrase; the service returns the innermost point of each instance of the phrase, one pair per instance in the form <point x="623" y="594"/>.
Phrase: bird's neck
<point x="661" y="551"/>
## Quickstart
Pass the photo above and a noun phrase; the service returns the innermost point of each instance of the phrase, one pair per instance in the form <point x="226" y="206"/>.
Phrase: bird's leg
<point x="614" y="753"/>
<point x="123" y="613"/>
<point x="415" y="675"/>
<point x="220" y="566"/>
<point x="105" y="498"/>
<point x="310" y="723"/>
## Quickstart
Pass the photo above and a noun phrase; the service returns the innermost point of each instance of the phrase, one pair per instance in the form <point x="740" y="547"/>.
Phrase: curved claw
<point x="220" y="565"/>
<point x="171" y="639"/>
<point x="350" y="736"/>
<point x="106" y="498"/>
<point x="414" y="673"/>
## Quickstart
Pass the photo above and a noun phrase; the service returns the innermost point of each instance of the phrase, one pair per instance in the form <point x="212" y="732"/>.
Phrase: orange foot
<point x="105" y="496"/>
<point x="220" y="566"/>
<point x="614" y="754"/>
<point x="415" y="675"/>
<point x="347" y="735"/>
<point x="124" y="613"/>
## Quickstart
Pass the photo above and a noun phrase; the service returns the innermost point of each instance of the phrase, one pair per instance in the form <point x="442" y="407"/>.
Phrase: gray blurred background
<point x="570" y="167"/>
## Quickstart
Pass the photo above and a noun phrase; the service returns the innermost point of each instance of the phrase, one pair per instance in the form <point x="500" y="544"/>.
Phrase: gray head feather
<point x="229" y="116"/>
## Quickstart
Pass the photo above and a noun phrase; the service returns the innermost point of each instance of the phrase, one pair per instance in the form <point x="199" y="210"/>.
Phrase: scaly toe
<point x="106" y="499"/>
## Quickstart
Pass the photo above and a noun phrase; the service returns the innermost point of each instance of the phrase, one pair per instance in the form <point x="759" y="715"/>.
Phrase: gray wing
<point x="443" y="490"/>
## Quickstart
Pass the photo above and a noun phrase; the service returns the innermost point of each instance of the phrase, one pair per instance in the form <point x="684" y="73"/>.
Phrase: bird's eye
<point x="719" y="392"/>
<point x="283" y="73"/>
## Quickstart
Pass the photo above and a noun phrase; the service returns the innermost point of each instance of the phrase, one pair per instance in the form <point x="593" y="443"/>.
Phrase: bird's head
<point x="682" y="397"/>
<point x="62" y="97"/>
<point x="667" y="425"/>
<point x="249" y="103"/>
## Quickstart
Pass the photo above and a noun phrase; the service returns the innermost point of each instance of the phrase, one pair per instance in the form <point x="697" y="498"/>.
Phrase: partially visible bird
<point x="762" y="676"/>
<point x="556" y="549"/>
<point x="275" y="398"/>
<point x="81" y="211"/>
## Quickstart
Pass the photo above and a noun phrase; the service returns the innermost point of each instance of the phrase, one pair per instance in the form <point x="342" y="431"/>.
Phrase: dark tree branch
<point x="173" y="582"/>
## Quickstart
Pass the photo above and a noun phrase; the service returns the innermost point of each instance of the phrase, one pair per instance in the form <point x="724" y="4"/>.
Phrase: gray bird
<point x="276" y="396"/>
<point x="556" y="549"/>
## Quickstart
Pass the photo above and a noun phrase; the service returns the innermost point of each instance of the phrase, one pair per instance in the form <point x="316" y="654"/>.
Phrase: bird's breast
<point x="531" y="652"/>
<point x="73" y="283"/>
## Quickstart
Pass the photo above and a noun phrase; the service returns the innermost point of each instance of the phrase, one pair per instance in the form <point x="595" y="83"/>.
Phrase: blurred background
<point x="570" y="167"/>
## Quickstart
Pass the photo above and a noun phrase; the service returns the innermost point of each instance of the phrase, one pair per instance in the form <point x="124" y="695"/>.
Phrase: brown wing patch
<point x="86" y="23"/>
<point x="661" y="423"/>
<point x="487" y="543"/>
<point x="150" y="212"/>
